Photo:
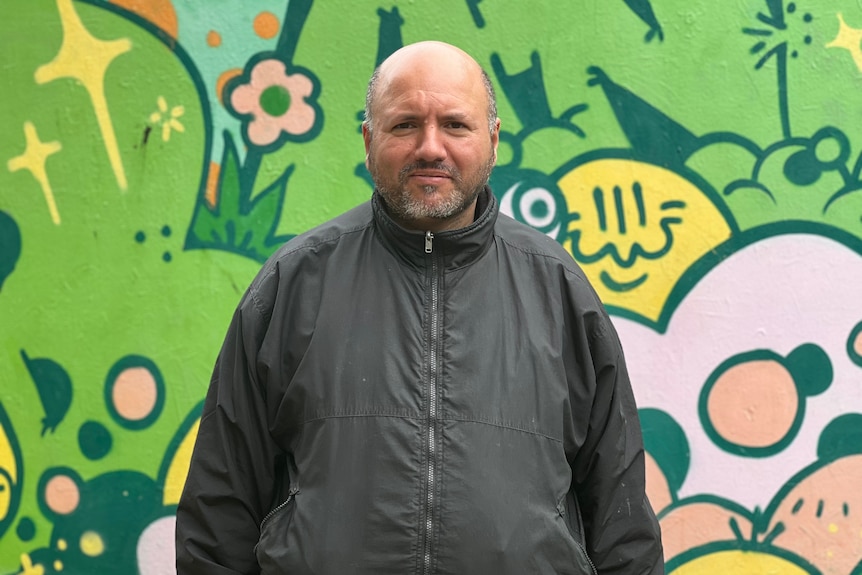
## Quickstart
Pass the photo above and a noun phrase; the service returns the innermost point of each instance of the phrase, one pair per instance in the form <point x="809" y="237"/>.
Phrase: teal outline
<point x="15" y="486"/>
<point x="49" y="474"/>
<point x="720" y="546"/>
<point x="180" y="434"/>
<point x="743" y="450"/>
<point x="700" y="268"/>
<point x="119" y="366"/>
<point x="854" y="356"/>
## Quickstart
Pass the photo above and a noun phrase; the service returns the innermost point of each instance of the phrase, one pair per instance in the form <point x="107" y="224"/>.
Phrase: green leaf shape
<point x="239" y="223"/>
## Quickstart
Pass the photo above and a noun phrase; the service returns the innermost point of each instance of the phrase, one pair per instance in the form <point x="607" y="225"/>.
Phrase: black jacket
<point x="393" y="402"/>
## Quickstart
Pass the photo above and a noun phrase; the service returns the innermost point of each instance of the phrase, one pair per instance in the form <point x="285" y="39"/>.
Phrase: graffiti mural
<point x="700" y="160"/>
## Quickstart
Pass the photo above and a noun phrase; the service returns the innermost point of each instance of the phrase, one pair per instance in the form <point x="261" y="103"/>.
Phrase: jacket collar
<point x="457" y="248"/>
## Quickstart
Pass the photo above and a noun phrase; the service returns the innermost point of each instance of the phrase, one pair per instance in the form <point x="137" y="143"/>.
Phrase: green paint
<point x="10" y="246"/>
<point x="94" y="440"/>
<point x="275" y="100"/>
<point x="54" y="387"/>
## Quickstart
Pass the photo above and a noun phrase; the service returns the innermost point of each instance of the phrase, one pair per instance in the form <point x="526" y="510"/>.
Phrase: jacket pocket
<point x="272" y="546"/>
<point x="569" y="512"/>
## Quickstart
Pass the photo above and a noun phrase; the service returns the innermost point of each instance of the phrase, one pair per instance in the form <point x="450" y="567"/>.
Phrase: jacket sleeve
<point x="620" y="528"/>
<point x="232" y="477"/>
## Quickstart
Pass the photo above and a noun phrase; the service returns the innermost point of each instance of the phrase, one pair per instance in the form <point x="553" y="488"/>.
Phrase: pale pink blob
<point x="62" y="495"/>
<point x="697" y="523"/>
<point x="265" y="129"/>
<point x="753" y="404"/>
<point x="135" y="393"/>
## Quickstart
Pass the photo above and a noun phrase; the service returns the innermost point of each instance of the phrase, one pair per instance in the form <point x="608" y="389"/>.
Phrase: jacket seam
<point x="357" y="415"/>
<point x="504" y="426"/>
<point x="566" y="264"/>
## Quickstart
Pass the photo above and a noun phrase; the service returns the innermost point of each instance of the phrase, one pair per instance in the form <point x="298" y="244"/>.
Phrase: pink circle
<point x="135" y="393"/>
<point x="62" y="495"/>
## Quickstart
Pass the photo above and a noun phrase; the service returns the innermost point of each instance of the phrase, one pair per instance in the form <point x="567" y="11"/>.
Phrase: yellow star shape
<point x="33" y="160"/>
<point x="84" y="58"/>
<point x="849" y="39"/>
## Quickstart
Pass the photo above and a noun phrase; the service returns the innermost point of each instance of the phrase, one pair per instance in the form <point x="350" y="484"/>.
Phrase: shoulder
<point x="308" y="251"/>
<point x="536" y="246"/>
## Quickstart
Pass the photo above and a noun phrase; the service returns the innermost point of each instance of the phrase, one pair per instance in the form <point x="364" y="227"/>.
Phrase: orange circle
<point x="213" y="39"/>
<point x="857" y="343"/>
<point x="135" y="393"/>
<point x="754" y="404"/>
<point x="62" y="495"/>
<point x="223" y="79"/>
<point x="266" y="25"/>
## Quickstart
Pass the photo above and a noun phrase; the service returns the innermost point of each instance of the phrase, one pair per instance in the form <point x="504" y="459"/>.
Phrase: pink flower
<point x="276" y="100"/>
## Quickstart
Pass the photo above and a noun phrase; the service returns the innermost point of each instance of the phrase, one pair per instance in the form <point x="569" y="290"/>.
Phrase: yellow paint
<point x="84" y="58"/>
<point x="29" y="568"/>
<point x="849" y="39"/>
<point x="58" y="565"/>
<point x="8" y="479"/>
<point x="92" y="544"/>
<point x="33" y="160"/>
<point x="833" y="528"/>
<point x="62" y="545"/>
<point x="168" y="119"/>
<point x="701" y="228"/>
<point x="179" y="467"/>
<point x="740" y="563"/>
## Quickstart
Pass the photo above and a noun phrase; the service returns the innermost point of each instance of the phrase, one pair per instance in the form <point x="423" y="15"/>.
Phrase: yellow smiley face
<point x="635" y="228"/>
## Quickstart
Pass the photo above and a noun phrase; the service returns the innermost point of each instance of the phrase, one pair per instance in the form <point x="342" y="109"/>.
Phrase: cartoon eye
<point x="536" y="201"/>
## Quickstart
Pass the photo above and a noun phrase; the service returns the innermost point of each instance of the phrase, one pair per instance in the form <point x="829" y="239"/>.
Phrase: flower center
<point x="275" y="100"/>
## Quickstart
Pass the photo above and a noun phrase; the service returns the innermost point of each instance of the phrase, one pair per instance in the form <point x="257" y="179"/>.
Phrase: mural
<point x="701" y="161"/>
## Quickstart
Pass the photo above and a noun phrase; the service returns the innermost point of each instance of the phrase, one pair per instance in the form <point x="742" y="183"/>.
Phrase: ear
<point x="366" y="136"/>
<point x="495" y="139"/>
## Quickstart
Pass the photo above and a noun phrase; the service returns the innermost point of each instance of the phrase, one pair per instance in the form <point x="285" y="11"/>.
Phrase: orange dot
<point x="212" y="184"/>
<point x="223" y="79"/>
<point x="135" y="393"/>
<point x="62" y="495"/>
<point x="213" y="39"/>
<point x="266" y="25"/>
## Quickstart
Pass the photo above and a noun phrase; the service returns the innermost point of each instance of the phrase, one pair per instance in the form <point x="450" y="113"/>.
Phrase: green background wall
<point x="701" y="160"/>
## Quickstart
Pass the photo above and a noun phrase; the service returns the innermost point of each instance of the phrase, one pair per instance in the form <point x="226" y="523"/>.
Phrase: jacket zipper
<point x="431" y="447"/>
<point x="290" y="495"/>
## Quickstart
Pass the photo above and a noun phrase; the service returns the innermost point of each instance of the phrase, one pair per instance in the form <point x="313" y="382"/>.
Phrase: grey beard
<point x="402" y="205"/>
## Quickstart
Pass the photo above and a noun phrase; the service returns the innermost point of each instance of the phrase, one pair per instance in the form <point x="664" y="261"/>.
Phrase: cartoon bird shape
<point x="54" y="387"/>
<point x="644" y="11"/>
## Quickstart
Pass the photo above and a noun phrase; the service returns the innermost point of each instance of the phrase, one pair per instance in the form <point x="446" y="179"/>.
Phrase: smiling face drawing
<point x="635" y="228"/>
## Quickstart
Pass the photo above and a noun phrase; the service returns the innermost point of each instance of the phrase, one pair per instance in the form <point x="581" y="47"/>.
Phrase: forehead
<point x="432" y="87"/>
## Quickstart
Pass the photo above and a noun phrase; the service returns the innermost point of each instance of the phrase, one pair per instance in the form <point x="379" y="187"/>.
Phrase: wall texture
<point x="700" y="159"/>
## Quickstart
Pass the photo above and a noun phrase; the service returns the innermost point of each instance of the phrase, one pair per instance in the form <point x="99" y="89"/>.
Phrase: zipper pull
<point x="429" y="242"/>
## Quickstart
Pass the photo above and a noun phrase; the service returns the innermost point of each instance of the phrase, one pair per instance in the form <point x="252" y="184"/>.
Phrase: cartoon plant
<point x="777" y="27"/>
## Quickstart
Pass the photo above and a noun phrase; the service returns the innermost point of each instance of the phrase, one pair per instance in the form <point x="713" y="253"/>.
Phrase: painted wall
<point x="700" y="159"/>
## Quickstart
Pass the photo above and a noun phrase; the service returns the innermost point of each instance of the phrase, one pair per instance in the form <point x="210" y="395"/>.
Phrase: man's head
<point x="431" y="134"/>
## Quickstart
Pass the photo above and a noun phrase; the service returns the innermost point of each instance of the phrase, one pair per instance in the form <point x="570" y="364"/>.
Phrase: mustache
<point x="436" y="166"/>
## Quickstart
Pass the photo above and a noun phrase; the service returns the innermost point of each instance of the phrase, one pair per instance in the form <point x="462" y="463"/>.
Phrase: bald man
<point x="421" y="385"/>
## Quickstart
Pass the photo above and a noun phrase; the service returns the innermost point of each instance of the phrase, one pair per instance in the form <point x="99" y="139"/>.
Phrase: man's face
<point x="431" y="150"/>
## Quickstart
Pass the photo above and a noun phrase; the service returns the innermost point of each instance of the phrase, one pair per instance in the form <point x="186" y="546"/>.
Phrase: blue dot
<point x="140" y="237"/>
<point x="794" y="54"/>
<point x="166" y="231"/>
<point x="808" y="39"/>
<point x="167" y="257"/>
<point x="26" y="529"/>
<point x="791" y="8"/>
<point x="808" y="17"/>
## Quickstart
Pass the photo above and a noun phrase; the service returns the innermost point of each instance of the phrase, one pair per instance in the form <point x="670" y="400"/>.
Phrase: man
<point x="421" y="385"/>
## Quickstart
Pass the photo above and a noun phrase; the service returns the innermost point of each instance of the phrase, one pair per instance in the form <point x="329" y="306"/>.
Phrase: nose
<point x="431" y="146"/>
